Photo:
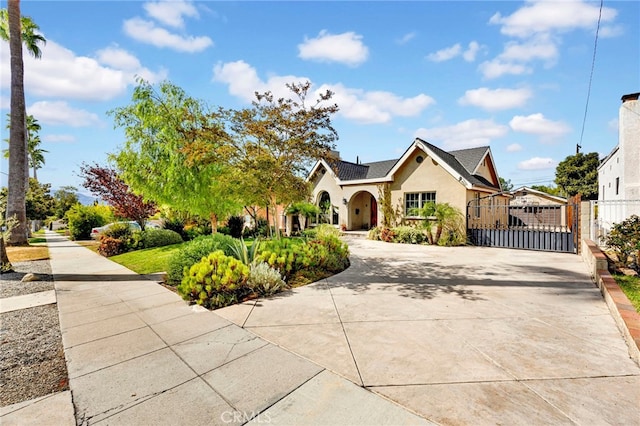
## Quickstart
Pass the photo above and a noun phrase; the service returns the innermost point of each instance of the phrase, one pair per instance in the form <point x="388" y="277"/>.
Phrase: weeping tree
<point x="176" y="152"/>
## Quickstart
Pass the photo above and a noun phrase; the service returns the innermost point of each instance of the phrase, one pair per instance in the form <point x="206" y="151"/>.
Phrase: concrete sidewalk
<point x="137" y="354"/>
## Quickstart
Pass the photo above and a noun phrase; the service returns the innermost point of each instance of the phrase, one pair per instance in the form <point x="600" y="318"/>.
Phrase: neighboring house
<point x="536" y="208"/>
<point x="619" y="172"/>
<point x="349" y="193"/>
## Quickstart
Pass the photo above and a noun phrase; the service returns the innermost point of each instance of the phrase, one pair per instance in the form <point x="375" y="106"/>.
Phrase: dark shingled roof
<point x="463" y="161"/>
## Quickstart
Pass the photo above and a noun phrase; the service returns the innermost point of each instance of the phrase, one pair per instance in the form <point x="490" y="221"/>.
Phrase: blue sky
<point x="511" y="75"/>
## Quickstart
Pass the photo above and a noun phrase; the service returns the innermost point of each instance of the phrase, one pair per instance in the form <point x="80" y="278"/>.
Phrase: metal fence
<point x="532" y="227"/>
<point x="606" y="213"/>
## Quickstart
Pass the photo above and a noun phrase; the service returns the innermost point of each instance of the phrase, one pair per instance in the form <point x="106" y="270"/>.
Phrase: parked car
<point x="96" y="233"/>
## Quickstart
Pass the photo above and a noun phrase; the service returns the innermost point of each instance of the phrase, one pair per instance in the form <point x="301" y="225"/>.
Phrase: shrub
<point x="261" y="229"/>
<point x="243" y="252"/>
<point x="374" y="233"/>
<point x="197" y="230"/>
<point x="193" y="251"/>
<point x="265" y="280"/>
<point x="120" y="231"/>
<point x="177" y="225"/>
<point x="624" y="240"/>
<point x="160" y="237"/>
<point x="235" y="224"/>
<point x="81" y="219"/>
<point x="310" y="233"/>
<point x="216" y="281"/>
<point x="387" y="235"/>
<point x="408" y="235"/>
<point x="110" y="246"/>
<point x="337" y="253"/>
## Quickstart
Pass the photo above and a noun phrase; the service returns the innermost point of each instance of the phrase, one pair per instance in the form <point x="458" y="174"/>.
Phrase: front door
<point x="374" y="212"/>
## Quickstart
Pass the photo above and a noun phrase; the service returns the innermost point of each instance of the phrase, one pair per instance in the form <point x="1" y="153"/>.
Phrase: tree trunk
<point x="17" y="137"/>
<point x="214" y="223"/>
<point x="5" y="264"/>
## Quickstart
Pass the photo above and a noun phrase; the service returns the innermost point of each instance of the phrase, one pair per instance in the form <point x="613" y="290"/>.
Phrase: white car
<point x="96" y="233"/>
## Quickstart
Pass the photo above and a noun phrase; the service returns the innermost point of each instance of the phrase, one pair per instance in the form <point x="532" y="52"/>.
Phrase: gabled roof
<point x="462" y="164"/>
<point x="539" y="193"/>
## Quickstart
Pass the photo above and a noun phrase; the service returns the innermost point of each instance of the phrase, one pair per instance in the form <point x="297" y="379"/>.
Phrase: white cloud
<point x="537" y="124"/>
<point x="147" y="32"/>
<point x="346" y="48"/>
<point x="614" y="125"/>
<point x="497" y="99"/>
<point x="514" y="147"/>
<point x="466" y="134"/>
<point x="445" y="54"/>
<point x="375" y="106"/>
<point x="60" y="73"/>
<point x="171" y="13"/>
<point x="61" y="138"/>
<point x="537" y="163"/>
<point x="611" y="31"/>
<point x="496" y="68"/>
<point x="551" y="16"/>
<point x="60" y="113"/>
<point x="469" y="55"/>
<point x="355" y="104"/>
<point x="542" y="48"/>
<point x="5" y="101"/>
<point x="407" y="38"/>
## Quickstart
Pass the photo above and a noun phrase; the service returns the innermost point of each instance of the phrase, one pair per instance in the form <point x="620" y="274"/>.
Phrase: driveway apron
<point x="464" y="335"/>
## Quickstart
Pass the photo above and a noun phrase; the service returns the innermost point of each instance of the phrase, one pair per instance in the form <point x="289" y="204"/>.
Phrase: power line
<point x="593" y="65"/>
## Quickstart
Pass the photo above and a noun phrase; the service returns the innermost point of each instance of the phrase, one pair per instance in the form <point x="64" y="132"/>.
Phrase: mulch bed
<point x="32" y="360"/>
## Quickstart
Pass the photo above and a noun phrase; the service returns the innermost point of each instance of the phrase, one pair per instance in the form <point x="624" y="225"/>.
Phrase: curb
<point x="624" y="313"/>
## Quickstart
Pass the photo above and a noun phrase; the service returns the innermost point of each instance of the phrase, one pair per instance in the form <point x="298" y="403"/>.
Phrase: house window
<point x="617" y="185"/>
<point x="477" y="206"/>
<point x="416" y="200"/>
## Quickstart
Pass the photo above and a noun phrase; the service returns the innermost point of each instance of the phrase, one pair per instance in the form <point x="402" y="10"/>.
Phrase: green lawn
<point x="147" y="261"/>
<point x="631" y="287"/>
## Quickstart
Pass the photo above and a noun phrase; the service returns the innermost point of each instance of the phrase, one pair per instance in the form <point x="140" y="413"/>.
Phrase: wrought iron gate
<point x="531" y="227"/>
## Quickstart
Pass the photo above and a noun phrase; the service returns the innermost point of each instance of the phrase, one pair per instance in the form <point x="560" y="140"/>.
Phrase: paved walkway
<point x="137" y="354"/>
<point x="464" y="336"/>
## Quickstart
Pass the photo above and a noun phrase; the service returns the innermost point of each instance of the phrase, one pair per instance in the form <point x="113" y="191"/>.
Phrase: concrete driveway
<point x="463" y="335"/>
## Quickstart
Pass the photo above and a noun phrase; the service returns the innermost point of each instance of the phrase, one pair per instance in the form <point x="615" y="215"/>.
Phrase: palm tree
<point x="17" y="136"/>
<point x="35" y="155"/>
<point x="31" y="36"/>
<point x="444" y="217"/>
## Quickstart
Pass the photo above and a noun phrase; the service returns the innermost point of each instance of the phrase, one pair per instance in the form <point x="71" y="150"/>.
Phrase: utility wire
<point x="593" y="65"/>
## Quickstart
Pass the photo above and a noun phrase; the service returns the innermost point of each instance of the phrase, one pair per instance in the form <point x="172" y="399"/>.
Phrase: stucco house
<point x="619" y="172"/>
<point x="349" y="192"/>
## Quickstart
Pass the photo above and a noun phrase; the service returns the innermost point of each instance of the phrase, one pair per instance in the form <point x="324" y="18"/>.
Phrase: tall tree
<point x="65" y="198"/>
<point x="177" y="152"/>
<point x="578" y="174"/>
<point x="31" y="36"/>
<point x="106" y="184"/>
<point x="17" y="135"/>
<point x="35" y="154"/>
<point x="279" y="140"/>
<point x="31" y="39"/>
<point x="551" y="190"/>
<point x="506" y="184"/>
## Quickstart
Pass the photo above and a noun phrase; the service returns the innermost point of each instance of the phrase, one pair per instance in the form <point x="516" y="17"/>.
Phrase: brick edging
<point x="623" y="312"/>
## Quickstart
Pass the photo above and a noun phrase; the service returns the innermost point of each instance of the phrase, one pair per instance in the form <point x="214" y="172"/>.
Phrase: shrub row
<point x="120" y="239"/>
<point x="216" y="271"/>
<point x="399" y="234"/>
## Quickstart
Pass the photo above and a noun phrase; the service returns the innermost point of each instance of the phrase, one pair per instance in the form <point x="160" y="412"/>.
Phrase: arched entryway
<point x="363" y="211"/>
<point x="328" y="211"/>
